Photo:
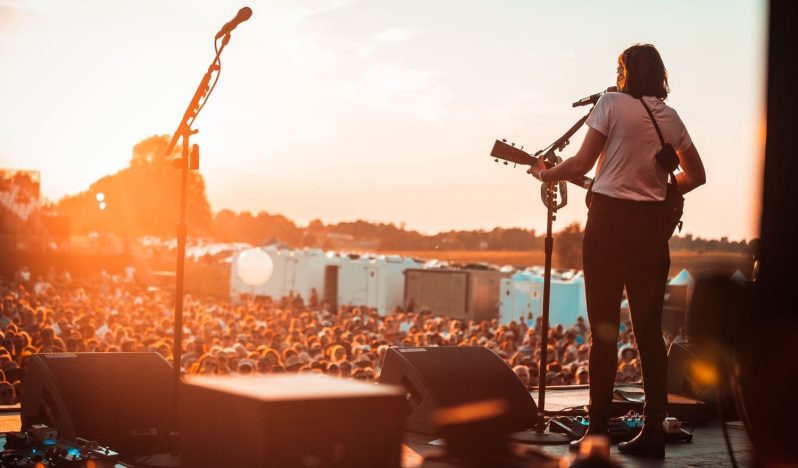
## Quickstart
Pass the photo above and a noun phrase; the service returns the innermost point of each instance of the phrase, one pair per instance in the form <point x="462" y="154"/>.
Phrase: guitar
<point x="501" y="150"/>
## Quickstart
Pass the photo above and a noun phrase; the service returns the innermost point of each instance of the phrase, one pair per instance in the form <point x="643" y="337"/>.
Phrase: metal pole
<point x="540" y="435"/>
<point x="544" y="328"/>
<point x="182" y="229"/>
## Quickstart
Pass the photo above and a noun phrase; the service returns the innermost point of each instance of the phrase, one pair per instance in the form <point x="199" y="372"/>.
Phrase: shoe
<point x="650" y="442"/>
<point x="594" y="429"/>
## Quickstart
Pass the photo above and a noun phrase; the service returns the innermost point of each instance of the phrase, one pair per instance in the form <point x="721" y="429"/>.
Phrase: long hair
<point x="642" y="72"/>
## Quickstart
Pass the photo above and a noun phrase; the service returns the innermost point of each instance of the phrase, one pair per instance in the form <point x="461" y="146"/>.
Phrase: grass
<point x="696" y="262"/>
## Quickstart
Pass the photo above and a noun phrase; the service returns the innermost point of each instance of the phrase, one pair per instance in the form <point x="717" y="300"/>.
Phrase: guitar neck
<point x="510" y="153"/>
<point x="582" y="181"/>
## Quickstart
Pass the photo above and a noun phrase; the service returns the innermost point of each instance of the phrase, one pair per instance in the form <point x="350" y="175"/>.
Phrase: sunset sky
<point x="375" y="109"/>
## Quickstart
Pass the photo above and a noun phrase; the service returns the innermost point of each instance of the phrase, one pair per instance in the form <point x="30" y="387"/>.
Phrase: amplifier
<point x="289" y="420"/>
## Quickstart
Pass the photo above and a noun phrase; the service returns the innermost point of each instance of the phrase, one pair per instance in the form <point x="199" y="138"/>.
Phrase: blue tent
<point x="522" y="295"/>
<point x="683" y="277"/>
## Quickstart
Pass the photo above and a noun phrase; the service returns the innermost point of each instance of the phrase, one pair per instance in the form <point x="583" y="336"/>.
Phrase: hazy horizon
<point x="346" y="110"/>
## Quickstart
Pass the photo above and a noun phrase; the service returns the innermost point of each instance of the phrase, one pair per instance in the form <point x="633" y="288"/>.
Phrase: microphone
<point x="242" y="15"/>
<point x="593" y="97"/>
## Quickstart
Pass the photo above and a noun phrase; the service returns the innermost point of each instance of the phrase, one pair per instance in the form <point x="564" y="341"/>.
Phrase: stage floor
<point x="708" y="448"/>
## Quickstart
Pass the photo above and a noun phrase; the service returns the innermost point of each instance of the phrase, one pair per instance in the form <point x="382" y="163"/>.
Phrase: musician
<point x="623" y="247"/>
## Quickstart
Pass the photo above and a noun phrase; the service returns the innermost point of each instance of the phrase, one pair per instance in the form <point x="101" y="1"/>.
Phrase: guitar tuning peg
<point x="513" y="143"/>
<point x="505" y="163"/>
<point x="522" y="146"/>
<point x="504" y="140"/>
<point x="497" y="159"/>
<point x="515" y="165"/>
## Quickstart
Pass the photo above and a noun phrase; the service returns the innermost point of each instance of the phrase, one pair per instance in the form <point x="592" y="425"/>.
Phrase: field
<point x="696" y="262"/>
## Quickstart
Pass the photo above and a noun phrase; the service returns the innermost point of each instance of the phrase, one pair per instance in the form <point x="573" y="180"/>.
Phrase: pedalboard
<point x="41" y="448"/>
<point x="621" y="429"/>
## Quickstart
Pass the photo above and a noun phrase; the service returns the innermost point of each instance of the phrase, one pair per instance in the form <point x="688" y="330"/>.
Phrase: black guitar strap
<point x="659" y="132"/>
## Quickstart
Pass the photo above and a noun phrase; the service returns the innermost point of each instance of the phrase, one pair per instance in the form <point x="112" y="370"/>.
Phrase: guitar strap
<point x="674" y="201"/>
<point x="589" y="195"/>
<point x="659" y="133"/>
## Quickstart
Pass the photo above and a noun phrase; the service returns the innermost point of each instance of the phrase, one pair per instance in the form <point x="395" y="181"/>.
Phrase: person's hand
<point x="537" y="168"/>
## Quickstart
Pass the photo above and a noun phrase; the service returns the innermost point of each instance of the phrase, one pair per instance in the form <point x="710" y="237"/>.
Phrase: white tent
<point x="739" y="277"/>
<point x="374" y="282"/>
<point x="522" y="295"/>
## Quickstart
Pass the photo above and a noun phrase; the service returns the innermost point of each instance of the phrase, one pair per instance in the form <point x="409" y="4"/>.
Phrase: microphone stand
<point x="549" y="192"/>
<point x="187" y="161"/>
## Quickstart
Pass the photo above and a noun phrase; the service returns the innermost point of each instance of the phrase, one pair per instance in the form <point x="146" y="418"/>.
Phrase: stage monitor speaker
<point x="681" y="374"/>
<point x="681" y="381"/>
<point x="117" y="399"/>
<point x="679" y="357"/>
<point x="435" y="378"/>
<point x="289" y="420"/>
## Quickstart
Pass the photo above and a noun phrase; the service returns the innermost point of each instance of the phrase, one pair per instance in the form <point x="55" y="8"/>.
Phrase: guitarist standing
<point x="624" y="246"/>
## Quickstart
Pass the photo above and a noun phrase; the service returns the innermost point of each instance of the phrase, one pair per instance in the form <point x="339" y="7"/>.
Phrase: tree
<point x="263" y="228"/>
<point x="568" y="244"/>
<point x="142" y="199"/>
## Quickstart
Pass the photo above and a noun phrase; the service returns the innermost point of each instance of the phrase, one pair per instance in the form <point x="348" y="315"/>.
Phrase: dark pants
<point x="623" y="249"/>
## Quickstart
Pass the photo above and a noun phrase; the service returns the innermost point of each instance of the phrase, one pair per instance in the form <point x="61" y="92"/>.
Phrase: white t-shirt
<point x="627" y="167"/>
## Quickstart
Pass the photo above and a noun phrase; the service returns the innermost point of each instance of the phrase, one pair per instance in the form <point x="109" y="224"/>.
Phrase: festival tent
<point x="683" y="277"/>
<point x="676" y="307"/>
<point x="376" y="282"/>
<point x="680" y="289"/>
<point x="739" y="277"/>
<point x="522" y="295"/>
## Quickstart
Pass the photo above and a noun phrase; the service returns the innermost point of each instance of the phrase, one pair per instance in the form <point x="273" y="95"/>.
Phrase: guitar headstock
<point x="508" y="152"/>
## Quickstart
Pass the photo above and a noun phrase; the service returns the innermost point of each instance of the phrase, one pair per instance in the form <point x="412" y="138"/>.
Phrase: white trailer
<point x="295" y="272"/>
<point x="376" y="282"/>
<point x="281" y="281"/>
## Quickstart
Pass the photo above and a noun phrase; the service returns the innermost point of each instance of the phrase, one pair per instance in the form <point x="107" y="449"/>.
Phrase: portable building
<point x="309" y="272"/>
<point x="376" y="282"/>
<point x="295" y="272"/>
<point x="457" y="293"/>
<point x="279" y="284"/>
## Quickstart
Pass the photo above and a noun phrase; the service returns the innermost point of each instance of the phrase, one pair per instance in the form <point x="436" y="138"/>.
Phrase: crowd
<point x="109" y="313"/>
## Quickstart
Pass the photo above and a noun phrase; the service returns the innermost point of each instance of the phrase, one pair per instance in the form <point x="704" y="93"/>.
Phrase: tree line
<point x="143" y="198"/>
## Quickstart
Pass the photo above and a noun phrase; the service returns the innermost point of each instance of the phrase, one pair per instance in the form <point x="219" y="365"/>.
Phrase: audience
<point x="109" y="313"/>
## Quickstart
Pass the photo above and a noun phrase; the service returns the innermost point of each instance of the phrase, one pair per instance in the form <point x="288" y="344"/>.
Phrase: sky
<point x="373" y="109"/>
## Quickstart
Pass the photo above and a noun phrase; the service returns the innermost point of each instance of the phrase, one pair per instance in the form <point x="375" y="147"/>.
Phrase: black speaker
<point x="117" y="399"/>
<point x="289" y="421"/>
<point x="681" y="372"/>
<point x="436" y="378"/>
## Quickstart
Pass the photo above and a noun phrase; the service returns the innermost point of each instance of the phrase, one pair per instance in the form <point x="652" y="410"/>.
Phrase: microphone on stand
<point x="242" y="15"/>
<point x="593" y="98"/>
